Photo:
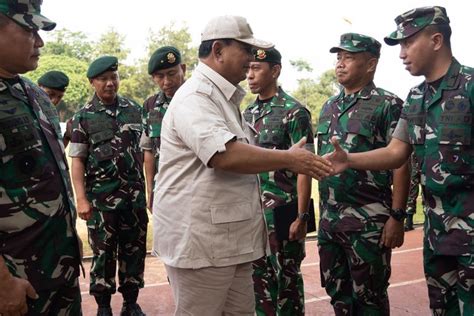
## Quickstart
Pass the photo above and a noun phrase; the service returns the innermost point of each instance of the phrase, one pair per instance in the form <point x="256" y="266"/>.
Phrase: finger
<point x="30" y="291"/>
<point x="300" y="143"/>
<point x="335" y="143"/>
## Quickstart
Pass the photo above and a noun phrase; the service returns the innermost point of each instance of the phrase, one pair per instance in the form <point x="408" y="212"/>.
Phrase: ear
<point x="438" y="40"/>
<point x="183" y="68"/>
<point x="276" y="69"/>
<point x="217" y="48"/>
<point x="372" y="64"/>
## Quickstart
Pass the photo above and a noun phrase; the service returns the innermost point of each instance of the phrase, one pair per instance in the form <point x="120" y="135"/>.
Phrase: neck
<point x="6" y="74"/>
<point x="357" y="86"/>
<point x="439" y="68"/>
<point x="268" y="93"/>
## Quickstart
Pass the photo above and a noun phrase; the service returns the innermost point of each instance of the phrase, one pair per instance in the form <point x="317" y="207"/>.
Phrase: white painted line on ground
<point x="326" y="298"/>
<point x="393" y="253"/>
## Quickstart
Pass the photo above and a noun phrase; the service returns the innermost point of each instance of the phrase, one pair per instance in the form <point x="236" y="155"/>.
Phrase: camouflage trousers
<point x="355" y="270"/>
<point x="450" y="282"/>
<point x="415" y="174"/>
<point x="278" y="282"/>
<point x="118" y="234"/>
<point x="63" y="301"/>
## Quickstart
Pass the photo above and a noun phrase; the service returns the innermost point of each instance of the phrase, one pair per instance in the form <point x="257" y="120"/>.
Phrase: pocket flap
<point x="229" y="213"/>
<point x="101" y="136"/>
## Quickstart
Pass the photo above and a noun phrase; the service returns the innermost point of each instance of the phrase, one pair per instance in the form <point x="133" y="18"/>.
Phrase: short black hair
<point x="444" y="29"/>
<point x="206" y="47"/>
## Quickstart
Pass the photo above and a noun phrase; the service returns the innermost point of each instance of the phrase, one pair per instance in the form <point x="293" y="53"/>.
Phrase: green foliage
<point x="301" y="65"/>
<point x="314" y="93"/>
<point x="79" y="89"/>
<point x="70" y="44"/>
<point x="112" y="43"/>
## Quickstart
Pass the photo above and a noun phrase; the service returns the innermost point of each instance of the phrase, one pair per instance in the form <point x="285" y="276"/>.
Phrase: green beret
<point x="413" y="21"/>
<point x="101" y="65"/>
<point x="271" y="55"/>
<point x="54" y="80"/>
<point x="163" y="58"/>
<point x="356" y="43"/>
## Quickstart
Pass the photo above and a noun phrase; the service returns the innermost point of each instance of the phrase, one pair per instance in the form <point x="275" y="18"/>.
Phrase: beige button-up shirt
<point x="202" y="216"/>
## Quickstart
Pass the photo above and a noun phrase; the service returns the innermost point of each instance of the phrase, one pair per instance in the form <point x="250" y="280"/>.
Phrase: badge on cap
<point x="171" y="58"/>
<point x="261" y="54"/>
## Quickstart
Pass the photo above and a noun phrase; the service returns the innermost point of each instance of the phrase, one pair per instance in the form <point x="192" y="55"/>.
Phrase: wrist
<point x="303" y="216"/>
<point x="398" y="213"/>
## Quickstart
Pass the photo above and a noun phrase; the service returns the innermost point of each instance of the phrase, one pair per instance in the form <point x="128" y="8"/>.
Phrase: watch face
<point x="304" y="216"/>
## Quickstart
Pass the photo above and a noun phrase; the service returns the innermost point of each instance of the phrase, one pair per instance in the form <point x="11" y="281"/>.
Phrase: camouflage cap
<point x="101" y="65"/>
<point x="27" y="13"/>
<point x="271" y="55"/>
<point x="163" y="58"/>
<point x="54" y="79"/>
<point x="413" y="21"/>
<point x="356" y="43"/>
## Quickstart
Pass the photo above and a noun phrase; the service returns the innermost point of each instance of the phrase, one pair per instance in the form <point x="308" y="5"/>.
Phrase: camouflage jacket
<point x="38" y="240"/>
<point x="442" y="134"/>
<point x="356" y="200"/>
<point x="108" y="138"/>
<point x="154" y="109"/>
<point x="279" y="123"/>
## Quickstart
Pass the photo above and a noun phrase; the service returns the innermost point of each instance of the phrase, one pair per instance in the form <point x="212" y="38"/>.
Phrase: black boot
<point x="104" y="308"/>
<point x="132" y="309"/>
<point x="409" y="222"/>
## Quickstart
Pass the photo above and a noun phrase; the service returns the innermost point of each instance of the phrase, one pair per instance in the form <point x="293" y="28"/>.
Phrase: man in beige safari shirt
<point x="207" y="215"/>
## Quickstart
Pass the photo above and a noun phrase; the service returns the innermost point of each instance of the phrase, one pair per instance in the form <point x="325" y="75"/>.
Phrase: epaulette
<point x="204" y="88"/>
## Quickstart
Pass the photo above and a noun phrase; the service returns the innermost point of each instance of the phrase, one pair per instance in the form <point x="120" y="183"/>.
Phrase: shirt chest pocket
<point x="359" y="132"/>
<point x="155" y="118"/>
<point x="101" y="144"/>
<point x="272" y="133"/>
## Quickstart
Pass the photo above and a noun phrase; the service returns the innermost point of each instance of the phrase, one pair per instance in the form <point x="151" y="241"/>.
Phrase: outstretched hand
<point x="305" y="162"/>
<point x="338" y="157"/>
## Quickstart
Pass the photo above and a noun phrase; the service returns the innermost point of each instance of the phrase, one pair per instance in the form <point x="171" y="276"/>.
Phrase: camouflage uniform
<point x="108" y="138"/>
<point x="278" y="281"/>
<point x="154" y="110"/>
<point x="354" y="206"/>
<point x="38" y="240"/>
<point x="437" y="121"/>
<point x="414" y="185"/>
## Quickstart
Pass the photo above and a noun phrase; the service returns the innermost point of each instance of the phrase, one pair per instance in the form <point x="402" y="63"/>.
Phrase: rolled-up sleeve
<point x="79" y="145"/>
<point x="202" y="127"/>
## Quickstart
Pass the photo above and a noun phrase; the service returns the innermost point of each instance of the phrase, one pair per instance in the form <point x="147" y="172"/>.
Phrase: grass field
<point x="82" y="228"/>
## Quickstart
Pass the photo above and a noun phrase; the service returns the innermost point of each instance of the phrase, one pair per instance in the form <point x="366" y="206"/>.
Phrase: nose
<point x="38" y="40"/>
<point x="403" y="52"/>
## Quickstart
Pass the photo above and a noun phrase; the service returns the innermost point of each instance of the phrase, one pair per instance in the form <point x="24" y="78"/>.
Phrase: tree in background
<point x="71" y="44"/>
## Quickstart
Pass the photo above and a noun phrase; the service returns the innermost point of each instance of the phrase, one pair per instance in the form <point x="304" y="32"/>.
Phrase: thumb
<point x="30" y="291"/>
<point x="300" y="143"/>
<point x="335" y="143"/>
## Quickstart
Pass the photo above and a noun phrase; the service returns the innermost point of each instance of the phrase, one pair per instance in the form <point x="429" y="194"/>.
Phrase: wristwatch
<point x="398" y="214"/>
<point x="303" y="216"/>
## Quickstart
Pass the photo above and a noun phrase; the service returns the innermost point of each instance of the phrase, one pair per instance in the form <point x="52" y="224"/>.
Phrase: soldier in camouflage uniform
<point x="107" y="172"/>
<point x="360" y="220"/>
<point x="167" y="72"/>
<point x="436" y="124"/>
<point x="415" y="175"/>
<point x="280" y="121"/>
<point x="39" y="246"/>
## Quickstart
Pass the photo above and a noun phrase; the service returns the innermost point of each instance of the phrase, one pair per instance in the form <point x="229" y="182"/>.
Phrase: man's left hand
<point x="298" y="230"/>
<point x="393" y="233"/>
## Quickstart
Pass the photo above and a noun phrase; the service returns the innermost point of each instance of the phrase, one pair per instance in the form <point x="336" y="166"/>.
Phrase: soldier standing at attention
<point x="280" y="122"/>
<point x="107" y="173"/>
<point x="436" y="124"/>
<point x="167" y="72"/>
<point x="361" y="217"/>
<point x="39" y="246"/>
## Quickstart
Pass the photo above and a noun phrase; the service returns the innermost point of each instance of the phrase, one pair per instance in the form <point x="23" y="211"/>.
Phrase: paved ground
<point x="408" y="293"/>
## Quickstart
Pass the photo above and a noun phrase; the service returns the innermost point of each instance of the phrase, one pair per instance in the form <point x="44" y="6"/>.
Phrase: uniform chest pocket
<point x="155" y="118"/>
<point x="102" y="136"/>
<point x="359" y="132"/>
<point x="272" y="133"/>
<point x="416" y="122"/>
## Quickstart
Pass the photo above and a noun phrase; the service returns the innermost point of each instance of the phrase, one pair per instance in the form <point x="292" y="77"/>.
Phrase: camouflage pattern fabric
<point x="38" y="240"/>
<point x="27" y="13"/>
<point x="413" y="21"/>
<point x="355" y="269"/>
<point x="154" y="109"/>
<point x="441" y="132"/>
<point x="415" y="175"/>
<point x="356" y="203"/>
<point x="64" y="301"/>
<point x="279" y="123"/>
<point x="125" y="230"/>
<point x="108" y="138"/>
<point x="356" y="43"/>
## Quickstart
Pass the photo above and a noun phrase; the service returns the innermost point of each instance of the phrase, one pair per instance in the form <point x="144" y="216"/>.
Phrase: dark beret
<point x="271" y="55"/>
<point x="163" y="58"/>
<point x="54" y="80"/>
<point x="101" y="65"/>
